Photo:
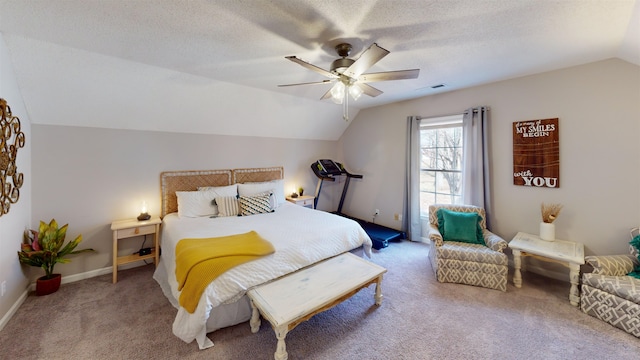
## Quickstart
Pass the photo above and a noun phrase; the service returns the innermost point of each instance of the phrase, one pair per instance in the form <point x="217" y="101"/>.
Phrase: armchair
<point x="468" y="263"/>
<point x="609" y="294"/>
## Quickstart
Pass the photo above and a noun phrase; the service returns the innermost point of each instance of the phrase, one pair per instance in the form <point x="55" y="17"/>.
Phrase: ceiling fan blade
<point x="368" y="58"/>
<point x="311" y="67"/>
<point x="308" y="83"/>
<point x="369" y="90"/>
<point x="389" y="75"/>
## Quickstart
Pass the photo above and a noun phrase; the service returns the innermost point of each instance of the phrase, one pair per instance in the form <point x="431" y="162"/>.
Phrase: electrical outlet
<point x="4" y="288"/>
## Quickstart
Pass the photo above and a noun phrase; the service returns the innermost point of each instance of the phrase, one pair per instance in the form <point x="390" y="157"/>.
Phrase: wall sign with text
<point x="536" y="153"/>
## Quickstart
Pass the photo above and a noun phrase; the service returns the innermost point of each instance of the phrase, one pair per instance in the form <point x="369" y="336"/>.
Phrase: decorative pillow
<point x="635" y="244"/>
<point x="460" y="226"/>
<point x="275" y="186"/>
<point x="258" y="204"/>
<point x="227" y="205"/>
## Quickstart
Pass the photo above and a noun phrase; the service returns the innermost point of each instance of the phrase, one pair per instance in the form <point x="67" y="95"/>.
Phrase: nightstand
<point x="129" y="228"/>
<point x="303" y="200"/>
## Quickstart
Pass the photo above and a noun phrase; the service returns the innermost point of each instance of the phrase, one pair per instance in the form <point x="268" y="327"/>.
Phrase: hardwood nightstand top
<point x="130" y="223"/>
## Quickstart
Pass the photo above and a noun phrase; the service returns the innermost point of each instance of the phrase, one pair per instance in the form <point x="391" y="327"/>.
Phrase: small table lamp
<point x="144" y="215"/>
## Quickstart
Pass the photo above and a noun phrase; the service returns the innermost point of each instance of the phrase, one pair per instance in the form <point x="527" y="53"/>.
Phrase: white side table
<point x="302" y="200"/>
<point x="129" y="228"/>
<point x="566" y="253"/>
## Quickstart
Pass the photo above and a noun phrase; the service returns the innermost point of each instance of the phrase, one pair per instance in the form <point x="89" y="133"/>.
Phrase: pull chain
<point x="345" y="106"/>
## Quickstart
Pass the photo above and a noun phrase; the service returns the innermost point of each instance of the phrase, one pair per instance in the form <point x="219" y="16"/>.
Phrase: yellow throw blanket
<point x="200" y="261"/>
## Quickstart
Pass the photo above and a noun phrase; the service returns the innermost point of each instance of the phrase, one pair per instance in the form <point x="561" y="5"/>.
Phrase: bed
<point x="300" y="236"/>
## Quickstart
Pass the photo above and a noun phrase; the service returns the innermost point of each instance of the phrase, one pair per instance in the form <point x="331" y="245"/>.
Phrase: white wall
<point x="598" y="106"/>
<point x="13" y="223"/>
<point x="88" y="177"/>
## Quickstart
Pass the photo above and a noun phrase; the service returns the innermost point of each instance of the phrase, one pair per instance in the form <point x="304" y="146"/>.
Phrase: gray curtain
<point x="476" y="183"/>
<point x="411" y="221"/>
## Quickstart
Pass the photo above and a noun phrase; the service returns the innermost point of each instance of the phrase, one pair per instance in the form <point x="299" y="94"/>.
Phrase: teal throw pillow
<point x="636" y="244"/>
<point x="460" y="226"/>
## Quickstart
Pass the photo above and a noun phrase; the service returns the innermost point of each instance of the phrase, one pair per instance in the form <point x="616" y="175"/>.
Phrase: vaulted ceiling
<point x="213" y="67"/>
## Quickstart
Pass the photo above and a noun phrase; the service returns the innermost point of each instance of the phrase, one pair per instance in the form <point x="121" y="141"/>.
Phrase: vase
<point x="46" y="286"/>
<point x="547" y="231"/>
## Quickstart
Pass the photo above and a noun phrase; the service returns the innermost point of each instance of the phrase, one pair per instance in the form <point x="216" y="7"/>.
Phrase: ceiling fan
<point x="348" y="77"/>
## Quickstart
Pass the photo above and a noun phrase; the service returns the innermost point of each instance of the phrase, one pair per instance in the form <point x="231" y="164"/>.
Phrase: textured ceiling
<point x="236" y="49"/>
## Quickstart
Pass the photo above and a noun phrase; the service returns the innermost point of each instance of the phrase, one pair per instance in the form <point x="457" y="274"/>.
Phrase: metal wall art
<point x="12" y="139"/>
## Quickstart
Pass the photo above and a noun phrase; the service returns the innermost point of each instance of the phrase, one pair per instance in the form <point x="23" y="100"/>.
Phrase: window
<point x="440" y="161"/>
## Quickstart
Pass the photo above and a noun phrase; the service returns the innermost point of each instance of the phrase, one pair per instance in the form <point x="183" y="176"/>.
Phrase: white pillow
<point x="200" y="203"/>
<point x="228" y="190"/>
<point x="276" y="186"/>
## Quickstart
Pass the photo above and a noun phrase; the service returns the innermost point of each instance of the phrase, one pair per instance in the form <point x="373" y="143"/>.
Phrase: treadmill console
<point x="329" y="167"/>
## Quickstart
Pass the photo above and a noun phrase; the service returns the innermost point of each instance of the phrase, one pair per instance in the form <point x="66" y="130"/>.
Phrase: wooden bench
<point x="292" y="299"/>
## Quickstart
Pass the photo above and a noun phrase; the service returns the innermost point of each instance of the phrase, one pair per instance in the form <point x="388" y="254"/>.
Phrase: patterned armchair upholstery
<point x="609" y="294"/>
<point x="463" y="263"/>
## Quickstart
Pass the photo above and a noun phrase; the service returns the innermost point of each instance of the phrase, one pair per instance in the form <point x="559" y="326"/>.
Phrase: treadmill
<point x="328" y="170"/>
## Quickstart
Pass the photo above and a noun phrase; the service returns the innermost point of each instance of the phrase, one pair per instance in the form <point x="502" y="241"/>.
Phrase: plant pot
<point x="46" y="286"/>
<point x="547" y="231"/>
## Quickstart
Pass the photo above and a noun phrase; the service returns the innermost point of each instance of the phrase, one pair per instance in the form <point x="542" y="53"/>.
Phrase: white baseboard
<point x="90" y="274"/>
<point x="86" y="275"/>
<point x="14" y="308"/>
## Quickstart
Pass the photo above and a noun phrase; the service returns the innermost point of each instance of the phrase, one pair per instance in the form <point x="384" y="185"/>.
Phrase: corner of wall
<point x="13" y="223"/>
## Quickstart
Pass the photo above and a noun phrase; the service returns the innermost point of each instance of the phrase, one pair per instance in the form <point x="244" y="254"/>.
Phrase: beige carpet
<point x="419" y="319"/>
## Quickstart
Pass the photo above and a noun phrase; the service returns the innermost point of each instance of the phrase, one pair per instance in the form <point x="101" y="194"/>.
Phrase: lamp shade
<point x="337" y="92"/>
<point x="355" y="91"/>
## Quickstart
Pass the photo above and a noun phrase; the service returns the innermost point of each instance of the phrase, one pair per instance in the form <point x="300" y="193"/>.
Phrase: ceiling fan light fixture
<point x="349" y="76"/>
<point x="355" y="91"/>
<point x="338" y="92"/>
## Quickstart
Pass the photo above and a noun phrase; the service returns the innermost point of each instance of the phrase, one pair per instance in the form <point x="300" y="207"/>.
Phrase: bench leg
<point x="255" y="318"/>
<point x="281" y="349"/>
<point x="378" y="295"/>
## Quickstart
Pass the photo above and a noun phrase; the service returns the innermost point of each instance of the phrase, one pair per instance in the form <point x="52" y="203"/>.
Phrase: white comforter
<point x="301" y="237"/>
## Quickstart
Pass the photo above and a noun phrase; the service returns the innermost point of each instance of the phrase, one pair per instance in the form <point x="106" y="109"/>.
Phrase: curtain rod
<point x="437" y="116"/>
<point x="459" y="113"/>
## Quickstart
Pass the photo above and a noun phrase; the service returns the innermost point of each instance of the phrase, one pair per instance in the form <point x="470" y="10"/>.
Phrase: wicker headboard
<point x="241" y="176"/>
<point x="172" y="181"/>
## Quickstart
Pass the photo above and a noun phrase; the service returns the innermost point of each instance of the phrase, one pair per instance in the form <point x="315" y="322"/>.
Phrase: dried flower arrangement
<point x="550" y="212"/>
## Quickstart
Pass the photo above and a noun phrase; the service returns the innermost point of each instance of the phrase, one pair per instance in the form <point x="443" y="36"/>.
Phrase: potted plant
<point x="44" y="248"/>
